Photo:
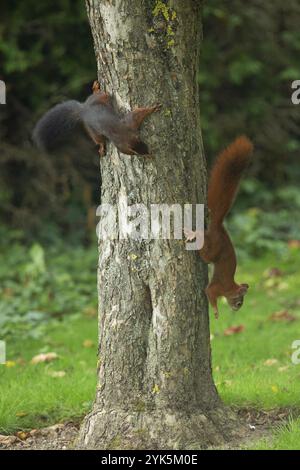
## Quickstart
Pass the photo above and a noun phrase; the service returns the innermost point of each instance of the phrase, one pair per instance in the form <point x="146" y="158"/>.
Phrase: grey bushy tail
<point x="57" y="125"/>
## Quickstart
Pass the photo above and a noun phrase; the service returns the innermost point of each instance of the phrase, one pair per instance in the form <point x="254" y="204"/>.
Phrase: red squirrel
<point x="218" y="248"/>
<point x="99" y="119"/>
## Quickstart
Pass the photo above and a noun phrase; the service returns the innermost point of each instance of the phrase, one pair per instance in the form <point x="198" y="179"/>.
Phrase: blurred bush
<point x="38" y="284"/>
<point x="46" y="56"/>
<point x="250" y="56"/>
<point x="269" y="220"/>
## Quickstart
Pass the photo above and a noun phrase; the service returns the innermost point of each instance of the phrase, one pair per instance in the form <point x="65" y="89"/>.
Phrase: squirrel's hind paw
<point x="156" y="107"/>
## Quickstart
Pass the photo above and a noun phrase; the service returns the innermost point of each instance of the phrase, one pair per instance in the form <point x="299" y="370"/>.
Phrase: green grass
<point x="30" y="396"/>
<point x="239" y="361"/>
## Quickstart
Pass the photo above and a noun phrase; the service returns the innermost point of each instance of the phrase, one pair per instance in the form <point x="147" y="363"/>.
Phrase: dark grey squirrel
<point x="99" y="119"/>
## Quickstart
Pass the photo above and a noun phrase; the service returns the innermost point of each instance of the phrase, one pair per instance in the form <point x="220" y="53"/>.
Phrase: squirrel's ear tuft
<point x="139" y="147"/>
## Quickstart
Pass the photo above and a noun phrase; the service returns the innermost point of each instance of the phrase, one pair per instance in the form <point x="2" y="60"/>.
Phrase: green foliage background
<point x="250" y="56"/>
<point x="46" y="56"/>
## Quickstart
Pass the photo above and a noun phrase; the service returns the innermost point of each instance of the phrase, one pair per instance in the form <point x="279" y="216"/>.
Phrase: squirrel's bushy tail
<point x="225" y="177"/>
<point x="57" y="125"/>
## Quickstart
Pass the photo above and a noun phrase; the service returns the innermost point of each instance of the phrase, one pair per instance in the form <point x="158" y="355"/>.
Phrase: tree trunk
<point x="155" y="387"/>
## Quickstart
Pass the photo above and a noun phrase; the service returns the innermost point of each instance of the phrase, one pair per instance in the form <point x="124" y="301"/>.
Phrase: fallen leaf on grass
<point x="283" y="368"/>
<point x="10" y="364"/>
<point x="283" y="315"/>
<point x="228" y="383"/>
<point x="271" y="282"/>
<point x="90" y="312"/>
<point x="47" y="357"/>
<point x="282" y="286"/>
<point x="294" y="244"/>
<point x="273" y="272"/>
<point x="21" y="414"/>
<point x="271" y="362"/>
<point x="57" y="373"/>
<point x="232" y="330"/>
<point x="88" y="343"/>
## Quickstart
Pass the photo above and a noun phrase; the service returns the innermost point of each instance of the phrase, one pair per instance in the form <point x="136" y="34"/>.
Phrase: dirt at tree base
<point x="62" y="436"/>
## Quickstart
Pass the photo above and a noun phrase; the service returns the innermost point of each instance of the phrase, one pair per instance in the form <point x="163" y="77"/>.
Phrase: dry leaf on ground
<point x="57" y="373"/>
<point x="283" y="315"/>
<point x="294" y="243"/>
<point x="273" y="272"/>
<point x="47" y="357"/>
<point x="88" y="343"/>
<point x="233" y="330"/>
<point x="271" y="362"/>
<point x="7" y="440"/>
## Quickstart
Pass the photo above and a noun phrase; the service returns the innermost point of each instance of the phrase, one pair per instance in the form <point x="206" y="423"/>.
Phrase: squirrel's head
<point x="236" y="299"/>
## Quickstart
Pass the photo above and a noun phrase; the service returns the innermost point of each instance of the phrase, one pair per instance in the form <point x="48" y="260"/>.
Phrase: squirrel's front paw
<point x="102" y="150"/>
<point x="96" y="86"/>
<point x="189" y="235"/>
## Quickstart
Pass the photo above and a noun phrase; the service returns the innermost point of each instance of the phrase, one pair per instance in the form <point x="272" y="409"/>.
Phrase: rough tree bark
<point x="155" y="387"/>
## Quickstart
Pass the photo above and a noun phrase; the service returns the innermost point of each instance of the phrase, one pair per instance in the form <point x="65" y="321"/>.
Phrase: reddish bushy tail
<point x="225" y="177"/>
